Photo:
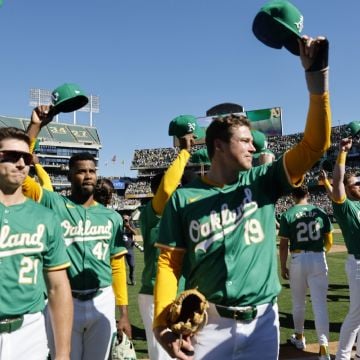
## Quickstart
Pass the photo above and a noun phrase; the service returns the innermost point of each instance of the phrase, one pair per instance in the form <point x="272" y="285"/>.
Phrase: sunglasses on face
<point x="13" y="156"/>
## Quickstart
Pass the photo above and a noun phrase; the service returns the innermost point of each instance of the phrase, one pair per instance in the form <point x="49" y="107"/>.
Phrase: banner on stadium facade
<point x="118" y="184"/>
<point x="268" y="121"/>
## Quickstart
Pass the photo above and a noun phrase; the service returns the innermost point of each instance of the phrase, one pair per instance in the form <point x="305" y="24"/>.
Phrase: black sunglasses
<point x="14" y="156"/>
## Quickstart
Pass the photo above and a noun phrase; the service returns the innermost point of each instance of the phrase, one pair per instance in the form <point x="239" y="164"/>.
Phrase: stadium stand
<point x="148" y="162"/>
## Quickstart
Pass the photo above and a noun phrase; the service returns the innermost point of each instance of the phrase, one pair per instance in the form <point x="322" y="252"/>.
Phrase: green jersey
<point x="30" y="242"/>
<point x="149" y="225"/>
<point x="305" y="226"/>
<point x="229" y="235"/>
<point x="92" y="236"/>
<point x="347" y="215"/>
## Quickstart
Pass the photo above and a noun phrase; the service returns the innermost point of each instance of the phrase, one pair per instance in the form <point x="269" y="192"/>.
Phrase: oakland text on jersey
<point x="85" y="231"/>
<point x="20" y="243"/>
<point x="222" y="224"/>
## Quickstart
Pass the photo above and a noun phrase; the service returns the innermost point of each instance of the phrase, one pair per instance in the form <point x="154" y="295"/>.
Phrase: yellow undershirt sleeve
<point x="168" y="273"/>
<point x="328" y="241"/>
<point x="44" y="177"/>
<point x="119" y="280"/>
<point x="300" y="158"/>
<point x="32" y="189"/>
<point x="170" y="181"/>
<point x="327" y="184"/>
<point x="32" y="145"/>
<point x="341" y="158"/>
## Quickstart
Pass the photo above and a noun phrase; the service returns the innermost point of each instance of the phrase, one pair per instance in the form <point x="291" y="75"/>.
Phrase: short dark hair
<point x="221" y="128"/>
<point x="80" y="157"/>
<point x="103" y="191"/>
<point x="14" y="133"/>
<point x="300" y="192"/>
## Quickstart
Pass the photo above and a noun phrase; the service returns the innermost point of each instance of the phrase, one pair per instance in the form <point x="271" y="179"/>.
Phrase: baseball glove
<point x="187" y="314"/>
<point x="122" y="349"/>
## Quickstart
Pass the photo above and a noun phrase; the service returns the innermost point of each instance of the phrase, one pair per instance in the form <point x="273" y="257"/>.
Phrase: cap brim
<point x="199" y="133"/>
<point x="71" y="104"/>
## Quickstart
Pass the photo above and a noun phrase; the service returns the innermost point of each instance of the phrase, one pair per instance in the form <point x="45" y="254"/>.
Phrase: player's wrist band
<point x="341" y="159"/>
<point x="318" y="81"/>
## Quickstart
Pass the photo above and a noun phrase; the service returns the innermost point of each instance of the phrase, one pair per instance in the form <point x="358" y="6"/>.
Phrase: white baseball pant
<point x="309" y="270"/>
<point x="93" y="327"/>
<point x="146" y="307"/>
<point x="224" y="338"/>
<point x="29" y="342"/>
<point x="351" y="324"/>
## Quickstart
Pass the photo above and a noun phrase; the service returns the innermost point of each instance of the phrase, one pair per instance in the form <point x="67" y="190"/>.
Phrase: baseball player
<point x="31" y="248"/>
<point x="345" y="196"/>
<point x="162" y="186"/>
<point x="308" y="230"/>
<point x="93" y="237"/>
<point x="222" y="227"/>
<point x="128" y="236"/>
<point x="104" y="191"/>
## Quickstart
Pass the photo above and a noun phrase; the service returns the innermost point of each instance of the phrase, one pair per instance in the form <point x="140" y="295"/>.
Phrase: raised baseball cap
<point x="279" y="23"/>
<point x="353" y="129"/>
<point x="68" y="97"/>
<point x="186" y="124"/>
<point x="259" y="141"/>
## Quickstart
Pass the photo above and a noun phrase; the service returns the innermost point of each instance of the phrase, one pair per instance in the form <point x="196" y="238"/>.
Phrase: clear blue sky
<point x="151" y="60"/>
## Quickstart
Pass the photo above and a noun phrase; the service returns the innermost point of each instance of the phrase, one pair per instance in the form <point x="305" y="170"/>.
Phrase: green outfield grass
<point x="338" y="298"/>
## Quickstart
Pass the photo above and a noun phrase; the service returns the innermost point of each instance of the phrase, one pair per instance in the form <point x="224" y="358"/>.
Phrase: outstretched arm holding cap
<point x="172" y="177"/>
<point x="316" y="140"/>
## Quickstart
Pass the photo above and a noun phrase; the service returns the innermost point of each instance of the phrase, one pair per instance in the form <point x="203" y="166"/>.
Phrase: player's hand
<point x="42" y="115"/>
<point x="285" y="274"/>
<point x="322" y="175"/>
<point x="186" y="142"/>
<point x="123" y="325"/>
<point x="345" y="144"/>
<point x="266" y="158"/>
<point x="314" y="52"/>
<point x="177" y="348"/>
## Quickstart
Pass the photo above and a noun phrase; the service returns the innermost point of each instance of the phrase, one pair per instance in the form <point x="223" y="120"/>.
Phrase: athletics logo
<point x="191" y="127"/>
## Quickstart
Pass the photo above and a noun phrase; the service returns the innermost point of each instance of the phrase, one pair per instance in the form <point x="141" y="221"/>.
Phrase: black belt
<point x="245" y="313"/>
<point x="85" y="296"/>
<point x="8" y="325"/>
<point x="248" y="313"/>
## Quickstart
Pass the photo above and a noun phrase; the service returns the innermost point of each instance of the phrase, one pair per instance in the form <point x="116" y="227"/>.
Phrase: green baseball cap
<point x="279" y="23"/>
<point x="259" y="140"/>
<point x="200" y="156"/>
<point x="186" y="124"/>
<point x="67" y="98"/>
<point x="353" y="128"/>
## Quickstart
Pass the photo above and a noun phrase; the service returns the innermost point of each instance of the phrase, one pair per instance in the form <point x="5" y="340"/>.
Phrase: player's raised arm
<point x="338" y="192"/>
<point x="40" y="116"/>
<point x="316" y="140"/>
